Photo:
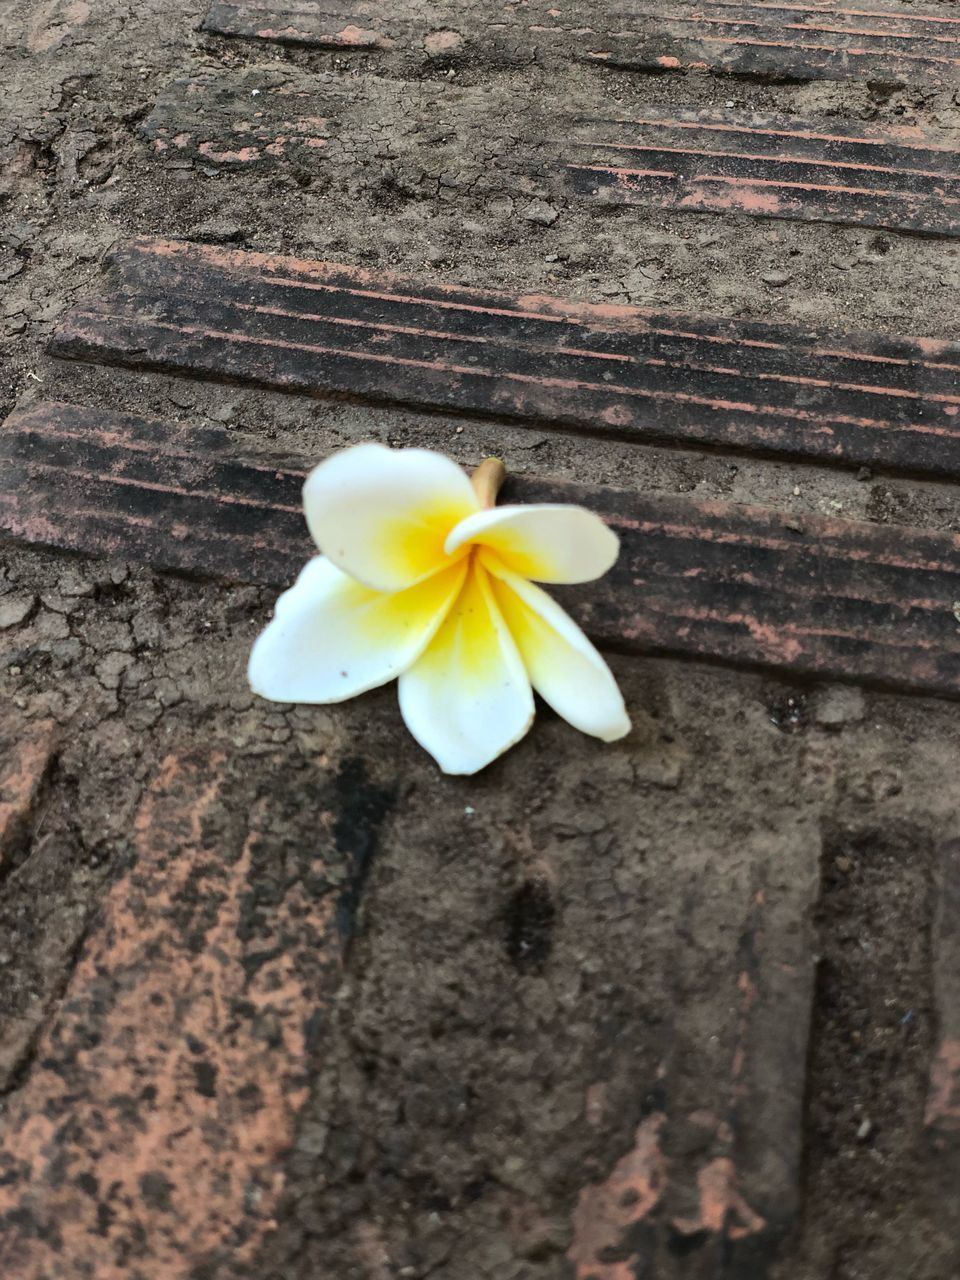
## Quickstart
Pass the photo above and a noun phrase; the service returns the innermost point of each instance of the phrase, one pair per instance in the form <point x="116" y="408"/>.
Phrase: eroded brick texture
<point x="147" y="1141"/>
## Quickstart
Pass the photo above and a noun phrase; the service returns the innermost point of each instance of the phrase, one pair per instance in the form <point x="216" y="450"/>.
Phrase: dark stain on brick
<point x="205" y="1074"/>
<point x="155" y="1188"/>
<point x="872" y="1035"/>
<point x="529" y="921"/>
<point x="362" y="808"/>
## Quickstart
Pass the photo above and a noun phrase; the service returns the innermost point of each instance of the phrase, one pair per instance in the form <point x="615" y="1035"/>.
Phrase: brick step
<point x="709" y="579"/>
<point x="769" y="166"/>
<point x="877" y="42"/>
<point x="642" y="375"/>
<point x="173" y="1080"/>
<point x="823" y="40"/>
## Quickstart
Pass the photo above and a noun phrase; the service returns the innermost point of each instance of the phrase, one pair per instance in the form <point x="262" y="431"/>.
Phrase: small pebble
<point x="837" y="705"/>
<point x="543" y="214"/>
<point x="776" y="279"/>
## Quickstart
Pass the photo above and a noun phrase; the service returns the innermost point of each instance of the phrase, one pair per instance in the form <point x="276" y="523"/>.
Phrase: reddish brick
<point x="822" y="40"/>
<point x="639" y="374"/>
<point x="716" y="1178"/>
<point x="256" y="117"/>
<point x="147" y="1140"/>
<point x="744" y="584"/>
<point x="771" y="167"/>
<point x="27" y="751"/>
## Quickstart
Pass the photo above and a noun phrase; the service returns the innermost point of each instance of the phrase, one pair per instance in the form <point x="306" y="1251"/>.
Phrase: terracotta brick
<point x="147" y="1141"/>
<point x="771" y="167"/>
<point x="638" y="374"/>
<point x="746" y="585"/>
<point x="715" y="1178"/>
<point x="27" y="751"/>
<point x="822" y="40"/>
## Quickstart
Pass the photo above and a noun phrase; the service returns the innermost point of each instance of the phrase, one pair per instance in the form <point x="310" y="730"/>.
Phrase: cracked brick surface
<point x="395" y="137"/>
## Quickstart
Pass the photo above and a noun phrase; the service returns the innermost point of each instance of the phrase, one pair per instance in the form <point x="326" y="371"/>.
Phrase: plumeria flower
<point x="423" y="578"/>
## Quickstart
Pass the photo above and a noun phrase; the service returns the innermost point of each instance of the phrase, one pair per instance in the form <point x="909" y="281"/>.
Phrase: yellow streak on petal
<point x="564" y="668"/>
<point x="540" y="646"/>
<point x="468" y="645"/>
<point x="413" y="545"/>
<point x="467" y="698"/>
<point x="384" y="619"/>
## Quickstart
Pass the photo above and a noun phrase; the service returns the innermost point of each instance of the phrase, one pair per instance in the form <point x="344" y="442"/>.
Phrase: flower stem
<point x="487" y="479"/>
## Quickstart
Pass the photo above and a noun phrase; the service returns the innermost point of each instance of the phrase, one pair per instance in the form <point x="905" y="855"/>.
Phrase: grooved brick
<point x="878" y="42"/>
<point x="771" y="167"/>
<point x="746" y="585"/>
<point x="863" y="399"/>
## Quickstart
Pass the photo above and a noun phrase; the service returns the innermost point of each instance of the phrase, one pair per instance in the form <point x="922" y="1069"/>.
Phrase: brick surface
<point x="712" y="1174"/>
<point x="318" y="327"/>
<point x="427" y="30"/>
<point x="824" y="40"/>
<point x="771" y="167"/>
<point x="27" y="752"/>
<point x="147" y="1141"/>
<point x="384" y="135"/>
<point x="255" y="118"/>
<point x="741" y="584"/>
<point x="942" y="1119"/>
<point x="332" y="24"/>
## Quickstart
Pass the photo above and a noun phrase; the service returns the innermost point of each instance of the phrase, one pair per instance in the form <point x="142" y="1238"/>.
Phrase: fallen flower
<point x="423" y="578"/>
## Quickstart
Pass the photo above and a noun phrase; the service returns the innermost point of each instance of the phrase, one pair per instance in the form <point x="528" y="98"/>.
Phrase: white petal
<point x="564" y="667"/>
<point x="549" y="542"/>
<point x="383" y="515"/>
<point x="467" y="698"/>
<point x="332" y="638"/>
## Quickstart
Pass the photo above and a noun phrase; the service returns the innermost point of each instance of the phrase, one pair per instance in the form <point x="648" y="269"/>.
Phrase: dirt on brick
<point x="543" y="959"/>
